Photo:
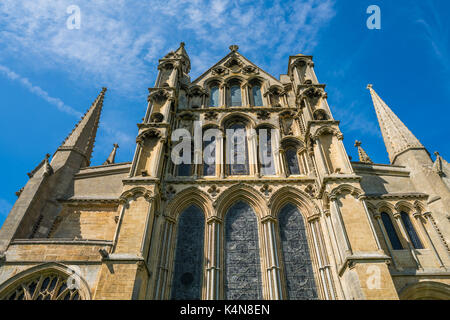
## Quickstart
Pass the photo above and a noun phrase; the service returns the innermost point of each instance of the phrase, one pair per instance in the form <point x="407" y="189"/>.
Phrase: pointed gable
<point x="235" y="65"/>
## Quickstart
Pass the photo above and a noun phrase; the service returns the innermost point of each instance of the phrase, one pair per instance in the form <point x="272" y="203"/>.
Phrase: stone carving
<point x="170" y="192"/>
<point x="213" y="191"/>
<point x="298" y="269"/>
<point x="187" y="276"/>
<point x="263" y="115"/>
<point x="211" y="116"/>
<point x="311" y="190"/>
<point x="242" y="274"/>
<point x="286" y="122"/>
<point x="266" y="190"/>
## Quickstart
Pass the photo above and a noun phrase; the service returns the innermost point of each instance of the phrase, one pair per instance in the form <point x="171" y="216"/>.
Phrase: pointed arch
<point x="240" y="192"/>
<point x="47" y="269"/>
<point x="296" y="197"/>
<point x="427" y="290"/>
<point x="188" y="197"/>
<point x="231" y="117"/>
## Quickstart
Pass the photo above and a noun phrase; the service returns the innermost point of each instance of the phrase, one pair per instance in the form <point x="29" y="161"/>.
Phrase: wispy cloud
<point x="436" y="29"/>
<point x="39" y="91"/>
<point x="118" y="44"/>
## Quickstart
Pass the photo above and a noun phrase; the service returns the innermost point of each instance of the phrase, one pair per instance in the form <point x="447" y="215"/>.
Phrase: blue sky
<point x="49" y="75"/>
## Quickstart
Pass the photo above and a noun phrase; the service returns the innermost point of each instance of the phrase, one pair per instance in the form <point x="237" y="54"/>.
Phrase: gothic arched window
<point x="209" y="167"/>
<point x="298" y="270"/>
<point x="235" y="95"/>
<point x="292" y="162"/>
<point x="415" y="240"/>
<point x="237" y="150"/>
<point x="188" y="270"/>
<point x="185" y="169"/>
<point x="47" y="286"/>
<point x="242" y="274"/>
<point x="392" y="234"/>
<point x="214" y="97"/>
<point x="256" y="96"/>
<point x="266" y="158"/>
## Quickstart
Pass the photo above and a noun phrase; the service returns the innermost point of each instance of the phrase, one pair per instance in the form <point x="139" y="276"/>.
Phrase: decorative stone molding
<point x="136" y="193"/>
<point x="213" y="191"/>
<point x="266" y="190"/>
<point x="211" y="116"/>
<point x="263" y="115"/>
<point x="160" y="94"/>
<point x="151" y="133"/>
<point x="345" y="188"/>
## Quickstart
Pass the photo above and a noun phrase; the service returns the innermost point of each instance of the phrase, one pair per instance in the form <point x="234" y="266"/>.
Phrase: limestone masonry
<point x="310" y="224"/>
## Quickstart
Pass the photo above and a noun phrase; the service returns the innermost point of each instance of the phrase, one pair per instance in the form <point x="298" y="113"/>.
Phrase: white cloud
<point x="119" y="43"/>
<point x="39" y="92"/>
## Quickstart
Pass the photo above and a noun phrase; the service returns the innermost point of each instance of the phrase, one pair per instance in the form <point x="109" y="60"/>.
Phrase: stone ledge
<point x="62" y="241"/>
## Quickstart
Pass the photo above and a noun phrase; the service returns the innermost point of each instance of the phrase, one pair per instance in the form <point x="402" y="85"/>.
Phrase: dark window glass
<point x="235" y="93"/>
<point x="187" y="277"/>
<point x="214" y="98"/>
<point x="257" y="98"/>
<point x="392" y="234"/>
<point x="209" y="169"/>
<point x="237" y="151"/>
<point x="297" y="262"/>
<point x="184" y="169"/>
<point x="292" y="162"/>
<point x="242" y="274"/>
<point x="417" y="244"/>
<point x="265" y="152"/>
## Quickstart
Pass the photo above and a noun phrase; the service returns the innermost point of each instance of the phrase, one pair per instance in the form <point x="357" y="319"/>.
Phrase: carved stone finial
<point x="234" y="48"/>
<point x="112" y="156"/>
<point x="369" y="86"/>
<point x="182" y="44"/>
<point x="363" y="157"/>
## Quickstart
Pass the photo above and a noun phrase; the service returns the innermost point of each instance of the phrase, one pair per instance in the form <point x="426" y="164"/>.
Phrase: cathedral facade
<point x="306" y="223"/>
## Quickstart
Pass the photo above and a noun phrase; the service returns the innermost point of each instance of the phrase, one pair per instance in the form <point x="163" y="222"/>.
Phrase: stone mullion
<point x="272" y="260"/>
<point x="253" y="152"/>
<point x="398" y="218"/>
<point x="418" y="216"/>
<point x="386" y="239"/>
<point x="220" y="156"/>
<point x="213" y="265"/>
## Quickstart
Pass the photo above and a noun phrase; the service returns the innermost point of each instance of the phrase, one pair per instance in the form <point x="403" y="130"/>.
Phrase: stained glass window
<point x="214" y="97"/>
<point x="235" y="96"/>
<point x="209" y="167"/>
<point x="50" y="286"/>
<point x="392" y="234"/>
<point x="242" y="276"/>
<point x="257" y="98"/>
<point x="188" y="270"/>
<point x="265" y="152"/>
<point x="415" y="240"/>
<point x="292" y="162"/>
<point x="297" y="262"/>
<point x="237" y="150"/>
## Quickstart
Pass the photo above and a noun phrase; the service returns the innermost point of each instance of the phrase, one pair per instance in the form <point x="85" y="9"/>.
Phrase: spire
<point x="82" y="137"/>
<point x="363" y="157"/>
<point x="112" y="156"/>
<point x="396" y="135"/>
